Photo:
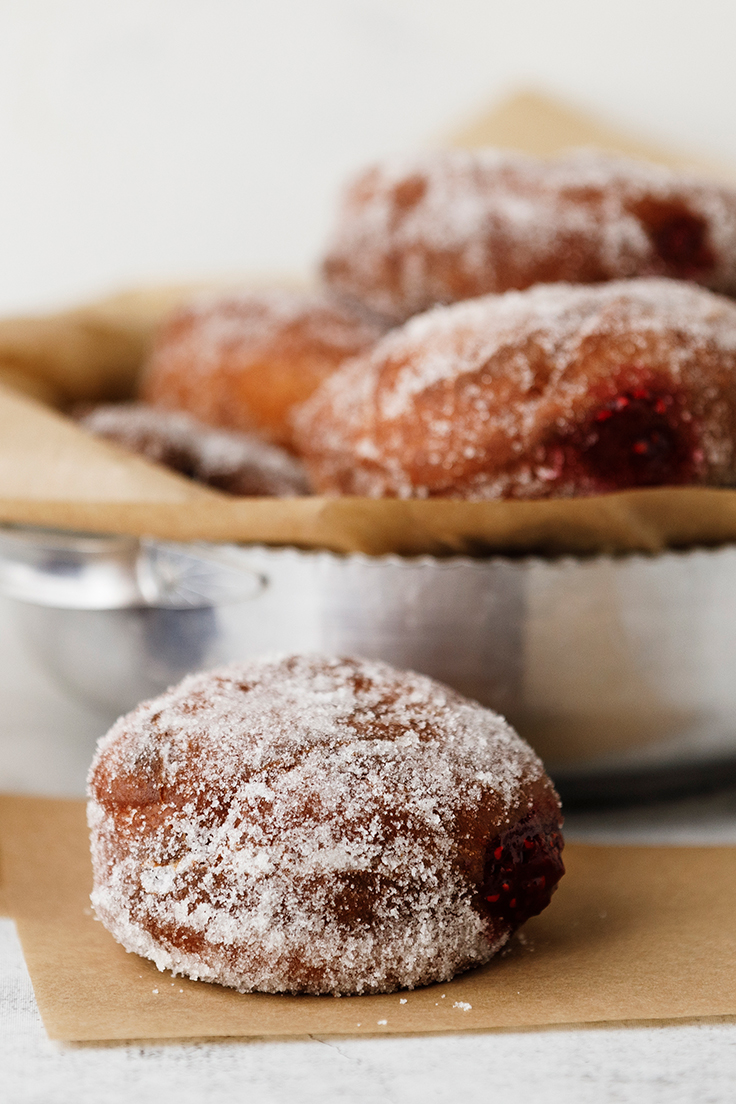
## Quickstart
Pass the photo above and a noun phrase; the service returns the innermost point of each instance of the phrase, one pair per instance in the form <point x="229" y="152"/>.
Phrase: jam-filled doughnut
<point x="454" y="224"/>
<point x="318" y="825"/>
<point x="238" y="463"/>
<point x="554" y="391"/>
<point x="246" y="360"/>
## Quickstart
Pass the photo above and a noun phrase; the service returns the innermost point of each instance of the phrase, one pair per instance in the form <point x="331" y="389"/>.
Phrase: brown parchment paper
<point x="542" y="125"/>
<point x="52" y="473"/>
<point x="633" y="933"/>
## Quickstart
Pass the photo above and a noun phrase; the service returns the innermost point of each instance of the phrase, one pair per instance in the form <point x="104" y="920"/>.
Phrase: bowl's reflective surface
<point x="617" y="670"/>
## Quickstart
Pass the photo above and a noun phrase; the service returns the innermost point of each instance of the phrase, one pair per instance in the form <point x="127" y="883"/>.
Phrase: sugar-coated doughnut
<point x="450" y="225"/>
<point x="238" y="463"/>
<point x="554" y="391"/>
<point x="318" y="825"/>
<point x="246" y="360"/>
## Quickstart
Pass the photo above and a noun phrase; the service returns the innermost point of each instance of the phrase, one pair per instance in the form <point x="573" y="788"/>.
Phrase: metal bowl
<point x="620" y="671"/>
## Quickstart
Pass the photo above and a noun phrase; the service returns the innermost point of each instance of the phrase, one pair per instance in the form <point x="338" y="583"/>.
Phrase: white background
<point x="160" y="139"/>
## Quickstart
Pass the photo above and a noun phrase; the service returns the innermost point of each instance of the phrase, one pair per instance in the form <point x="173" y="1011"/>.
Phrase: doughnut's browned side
<point x="246" y="360"/>
<point x="558" y="390"/>
<point x="231" y="461"/>
<point x="317" y="825"/>
<point x="451" y="225"/>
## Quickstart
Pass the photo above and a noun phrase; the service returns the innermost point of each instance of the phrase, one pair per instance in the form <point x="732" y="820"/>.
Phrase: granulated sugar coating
<point x="238" y="463"/>
<point x="245" y="360"/>
<point x="558" y="390"/>
<point x="450" y="225"/>
<point x="317" y="825"/>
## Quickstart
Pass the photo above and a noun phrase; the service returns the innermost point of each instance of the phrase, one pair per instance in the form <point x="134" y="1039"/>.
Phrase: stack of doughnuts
<point x="489" y="325"/>
<point x="557" y="344"/>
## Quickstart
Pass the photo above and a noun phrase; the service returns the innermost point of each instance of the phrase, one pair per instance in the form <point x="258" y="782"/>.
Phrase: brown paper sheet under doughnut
<point x="53" y="474"/>
<point x="634" y="934"/>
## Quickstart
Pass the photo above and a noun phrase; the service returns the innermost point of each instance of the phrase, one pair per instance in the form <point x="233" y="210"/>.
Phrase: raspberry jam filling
<point x="642" y="436"/>
<point x="679" y="237"/>
<point x="522" y="870"/>
<point x="681" y="245"/>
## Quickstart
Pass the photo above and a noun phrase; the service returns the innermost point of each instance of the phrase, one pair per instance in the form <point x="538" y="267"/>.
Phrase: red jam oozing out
<point x="522" y="870"/>
<point x="681" y="245"/>
<point x="642" y="436"/>
<point x="679" y="237"/>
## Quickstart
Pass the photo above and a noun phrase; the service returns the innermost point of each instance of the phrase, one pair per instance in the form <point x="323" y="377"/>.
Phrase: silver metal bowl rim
<point x="91" y="542"/>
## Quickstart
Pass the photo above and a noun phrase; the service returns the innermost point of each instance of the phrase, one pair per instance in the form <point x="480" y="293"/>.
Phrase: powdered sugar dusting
<point x="299" y="825"/>
<point x="244" y="361"/>
<point x="258" y="318"/>
<point x="448" y="225"/>
<point x="462" y="399"/>
<point x="559" y="317"/>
